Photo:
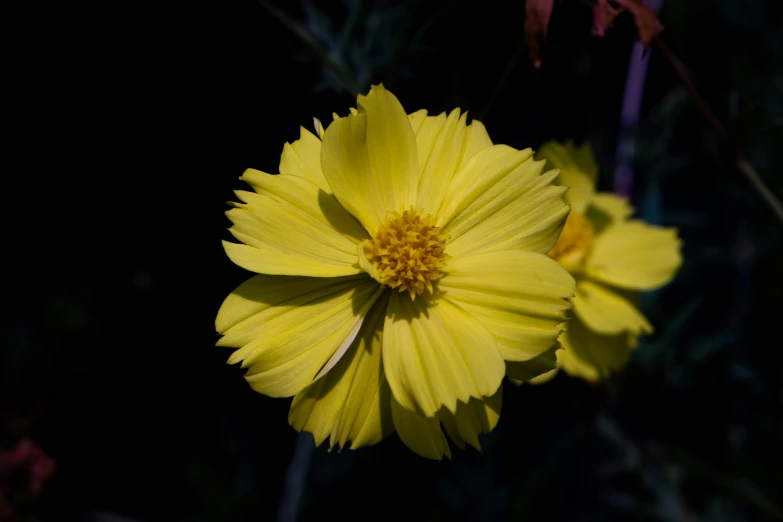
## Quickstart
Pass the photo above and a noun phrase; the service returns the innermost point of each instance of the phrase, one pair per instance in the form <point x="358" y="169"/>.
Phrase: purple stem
<point x="296" y="478"/>
<point x="630" y="114"/>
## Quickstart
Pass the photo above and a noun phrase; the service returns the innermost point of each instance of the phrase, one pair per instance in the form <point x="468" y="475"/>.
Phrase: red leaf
<point x="603" y="16"/>
<point x="537" y="14"/>
<point x="647" y="24"/>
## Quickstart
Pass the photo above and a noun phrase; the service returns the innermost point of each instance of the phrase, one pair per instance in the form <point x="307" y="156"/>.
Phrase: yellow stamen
<point x="574" y="242"/>
<point x="407" y="252"/>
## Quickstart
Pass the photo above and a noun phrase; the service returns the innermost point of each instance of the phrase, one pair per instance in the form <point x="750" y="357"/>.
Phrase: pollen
<point x="574" y="242"/>
<point x="407" y="252"/>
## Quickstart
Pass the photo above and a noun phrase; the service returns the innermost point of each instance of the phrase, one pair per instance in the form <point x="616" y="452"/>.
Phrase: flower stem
<point x="296" y="478"/>
<point x="630" y="115"/>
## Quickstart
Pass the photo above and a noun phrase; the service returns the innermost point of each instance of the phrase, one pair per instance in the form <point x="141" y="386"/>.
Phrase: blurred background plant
<point x="358" y="41"/>
<point x="112" y="341"/>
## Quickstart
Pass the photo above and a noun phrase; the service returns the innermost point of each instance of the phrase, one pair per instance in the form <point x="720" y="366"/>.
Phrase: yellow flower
<point x="401" y="261"/>
<point x="612" y="257"/>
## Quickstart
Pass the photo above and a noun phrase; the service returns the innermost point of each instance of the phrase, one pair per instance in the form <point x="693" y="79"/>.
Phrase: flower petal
<point x="477" y="140"/>
<point x="291" y="227"/>
<point x="369" y="159"/>
<point x="434" y="354"/>
<point x="421" y="434"/>
<point x="303" y="158"/>
<point x="287" y="328"/>
<point x="417" y="119"/>
<point x="571" y="364"/>
<point x="519" y="296"/>
<point x="500" y="201"/>
<point x="605" y="312"/>
<point x="443" y="145"/>
<point x="264" y="291"/>
<point x="351" y="402"/>
<point x="521" y="371"/>
<point x="270" y="261"/>
<point x="578" y="170"/>
<point x="635" y="256"/>
<point x="424" y="435"/>
<point x="544" y="377"/>
<point x="472" y="419"/>
<point x="592" y="356"/>
<point x="607" y="209"/>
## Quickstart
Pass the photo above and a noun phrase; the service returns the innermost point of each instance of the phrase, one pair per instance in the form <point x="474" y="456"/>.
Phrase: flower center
<point x="406" y="252"/>
<point x="574" y="242"/>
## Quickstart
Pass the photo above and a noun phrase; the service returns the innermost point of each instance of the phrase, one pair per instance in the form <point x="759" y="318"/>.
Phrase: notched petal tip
<point x="635" y="255"/>
<point x="435" y="354"/>
<point x="254" y="177"/>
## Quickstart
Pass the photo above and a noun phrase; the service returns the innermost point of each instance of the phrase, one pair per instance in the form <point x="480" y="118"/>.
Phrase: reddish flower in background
<point x="26" y="461"/>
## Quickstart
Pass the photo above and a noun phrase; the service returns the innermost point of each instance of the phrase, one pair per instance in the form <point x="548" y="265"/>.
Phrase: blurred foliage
<point x="369" y="40"/>
<point x="113" y="342"/>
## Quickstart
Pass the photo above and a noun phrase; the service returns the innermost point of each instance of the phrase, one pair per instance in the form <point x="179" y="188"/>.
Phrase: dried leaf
<point x="537" y="14"/>
<point x="647" y="24"/>
<point x="603" y="16"/>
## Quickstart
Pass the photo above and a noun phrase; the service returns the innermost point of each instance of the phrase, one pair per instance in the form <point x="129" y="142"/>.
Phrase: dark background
<point x="130" y="124"/>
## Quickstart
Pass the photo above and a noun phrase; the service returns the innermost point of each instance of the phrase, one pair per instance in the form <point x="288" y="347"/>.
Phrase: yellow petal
<point x="576" y="367"/>
<point x="519" y="296"/>
<point x="544" y="377"/>
<point x="477" y="175"/>
<point x="500" y="201"/>
<point x="472" y="419"/>
<point x="592" y="356"/>
<point x="287" y="328"/>
<point x="607" y="209"/>
<point x="243" y="316"/>
<point x="303" y="158"/>
<point x="476" y="141"/>
<point x="263" y="291"/>
<point x="291" y="227"/>
<point x="352" y="401"/>
<point x="444" y="144"/>
<point x="424" y="435"/>
<point x="421" y="434"/>
<point x="527" y="370"/>
<point x="290" y="191"/>
<point x="578" y="170"/>
<point x="370" y="159"/>
<point x="605" y="312"/>
<point x="417" y="119"/>
<point x="269" y="261"/>
<point x="427" y="131"/>
<point x="635" y="256"/>
<point x="434" y="354"/>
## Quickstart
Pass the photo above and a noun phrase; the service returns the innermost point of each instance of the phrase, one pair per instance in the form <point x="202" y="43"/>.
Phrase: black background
<point x="128" y="127"/>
